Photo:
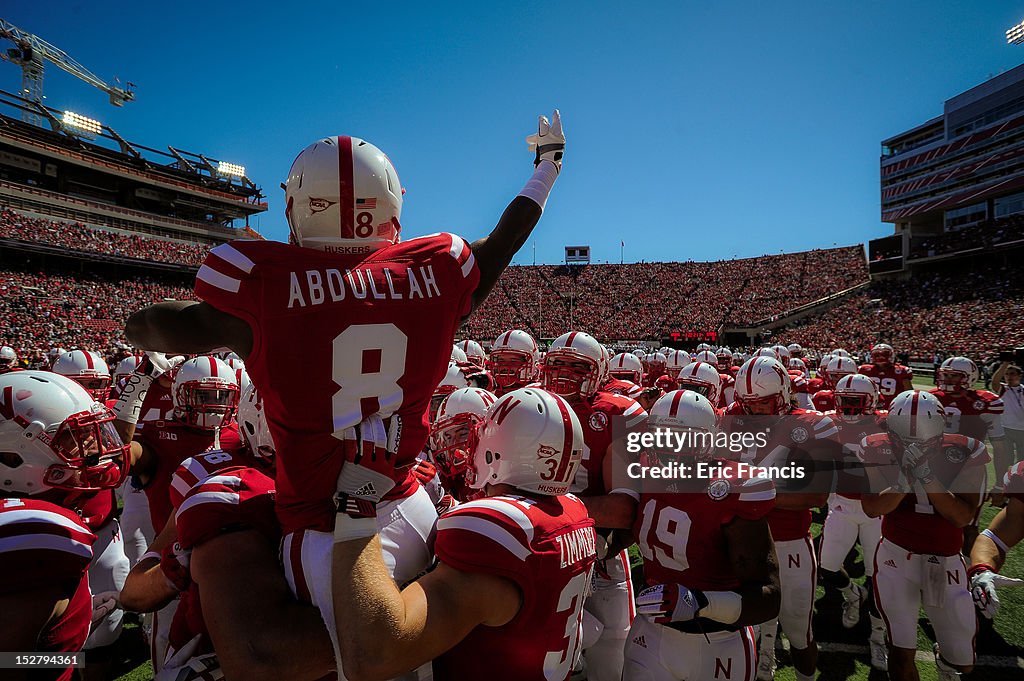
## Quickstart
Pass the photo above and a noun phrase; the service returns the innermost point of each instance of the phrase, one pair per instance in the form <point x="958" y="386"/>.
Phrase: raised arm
<point x="495" y="251"/>
<point x="185" y="327"/>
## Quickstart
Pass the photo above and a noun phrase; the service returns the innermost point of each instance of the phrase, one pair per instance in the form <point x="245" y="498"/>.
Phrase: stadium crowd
<point x="75" y="236"/>
<point x="985" y="234"/>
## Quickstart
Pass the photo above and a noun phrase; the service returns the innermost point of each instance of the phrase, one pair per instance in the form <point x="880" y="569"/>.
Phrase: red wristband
<point x="980" y="567"/>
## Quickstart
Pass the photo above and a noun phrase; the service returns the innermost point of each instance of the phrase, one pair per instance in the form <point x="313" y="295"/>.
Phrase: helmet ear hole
<point x="11" y="459"/>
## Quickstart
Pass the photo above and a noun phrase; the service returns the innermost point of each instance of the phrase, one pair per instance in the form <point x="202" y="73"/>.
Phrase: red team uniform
<point x="546" y="547"/>
<point x="918" y="560"/>
<point x="974" y="413"/>
<point x="682" y="541"/>
<point x="337" y="338"/>
<point x="890" y="380"/>
<point x="42" y="544"/>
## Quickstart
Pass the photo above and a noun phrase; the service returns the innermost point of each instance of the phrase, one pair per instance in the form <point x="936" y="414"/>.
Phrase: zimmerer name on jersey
<point x="319" y="286"/>
<point x="576" y="545"/>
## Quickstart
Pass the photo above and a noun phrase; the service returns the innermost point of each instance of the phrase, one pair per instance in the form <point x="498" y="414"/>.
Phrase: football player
<point x="624" y="375"/>
<point x="927" y="485"/>
<point x="59" y="444"/>
<point x="505" y="601"/>
<point x="654" y="368"/>
<point x="87" y="369"/>
<point x="704" y="379"/>
<point x="857" y="416"/>
<point x="357" y="297"/>
<point x="890" y="377"/>
<point x="708" y="562"/>
<point x="474" y="352"/>
<point x="451" y="438"/>
<point x="837" y="367"/>
<point x="974" y="413"/>
<point x="513" y="361"/>
<point x="990" y="548"/>
<point x="8" y="360"/>
<point x="572" y="370"/>
<point x="795" y="436"/>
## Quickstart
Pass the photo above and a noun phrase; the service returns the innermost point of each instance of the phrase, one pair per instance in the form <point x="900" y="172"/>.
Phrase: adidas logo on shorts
<point x="890" y="563"/>
<point x="366" y="490"/>
<point x="639" y="640"/>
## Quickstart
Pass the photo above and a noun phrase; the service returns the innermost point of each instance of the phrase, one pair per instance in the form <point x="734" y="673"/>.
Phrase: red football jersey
<point x="824" y="400"/>
<point x="546" y="546"/>
<point x="974" y="413"/>
<point x="915" y="525"/>
<point x="801" y="425"/>
<point x="851" y="481"/>
<point x="195" y="469"/>
<point x="1013" y="481"/>
<point x="338" y="338"/>
<point x="230" y="499"/>
<point x="42" y="544"/>
<point x="618" y="386"/>
<point x="172" y="442"/>
<point x="595" y="415"/>
<point x="680" y="532"/>
<point x="816" y="384"/>
<point x="157" y="406"/>
<point x="890" y="380"/>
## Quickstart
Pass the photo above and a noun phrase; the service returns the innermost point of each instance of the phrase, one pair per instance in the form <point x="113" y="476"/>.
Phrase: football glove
<point x="156" y="364"/>
<point x="174" y="562"/>
<point x="424" y="471"/>
<point x="983" y="589"/>
<point x="923" y="471"/>
<point x="367" y="474"/>
<point x="913" y="454"/>
<point x="549" y="141"/>
<point x="664" y="603"/>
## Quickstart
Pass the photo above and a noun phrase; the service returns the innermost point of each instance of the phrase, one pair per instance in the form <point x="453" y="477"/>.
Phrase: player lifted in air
<point x="345" y="322"/>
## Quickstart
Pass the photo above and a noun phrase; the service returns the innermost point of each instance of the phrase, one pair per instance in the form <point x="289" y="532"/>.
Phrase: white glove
<point x="184" y="666"/>
<point x="366" y="476"/>
<point x="103" y="604"/>
<point x="664" y="603"/>
<point x="549" y="141"/>
<point x="983" y="589"/>
<point x="155" y="365"/>
<point x="913" y="454"/>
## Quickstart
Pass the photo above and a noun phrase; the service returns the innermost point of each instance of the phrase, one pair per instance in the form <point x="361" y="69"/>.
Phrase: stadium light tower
<point x="31" y="51"/>
<point x="1015" y="34"/>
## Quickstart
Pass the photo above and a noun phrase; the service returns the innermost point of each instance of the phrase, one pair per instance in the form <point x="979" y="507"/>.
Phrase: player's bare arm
<point x="957" y="507"/>
<point x="615" y="510"/>
<point x="752" y="555"/>
<point x="891" y="490"/>
<point x="147" y="589"/>
<point x="1008" y="528"/>
<point x="495" y="251"/>
<point x="34" y="608"/>
<point x="271" y="636"/>
<point x="184" y="327"/>
<point x="414" y="625"/>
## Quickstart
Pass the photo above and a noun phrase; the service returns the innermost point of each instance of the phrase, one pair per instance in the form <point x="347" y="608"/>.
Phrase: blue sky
<point x="696" y="130"/>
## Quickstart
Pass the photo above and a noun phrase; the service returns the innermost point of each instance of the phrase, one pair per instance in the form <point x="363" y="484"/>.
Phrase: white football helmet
<point x="7" y="357"/>
<point x="795" y="350"/>
<point x="707" y="357"/>
<point x="799" y="365"/>
<point x="839" y="367"/>
<point x="686" y="410"/>
<point x="957" y="373"/>
<point x="235" y="362"/>
<point x="529" y="439"/>
<point x="343" y="196"/>
<point x="762" y="386"/>
<point x="675" y="361"/>
<point x="204" y="393"/>
<point x="53" y="434"/>
<point x="243" y="381"/>
<point x="640" y="352"/>
<point x="783" y="353"/>
<point x="823" y="364"/>
<point x="252" y="423"/>
<point x="856" y="396"/>
<point x="883" y="354"/>
<point x="702" y="347"/>
<point x="126" y="366"/>
<point x="723" y="359"/>
<point x="572" y="365"/>
<point x="454" y="379"/>
<point x="474" y="352"/>
<point x="514" y="359"/>
<point x="452" y="432"/>
<point x="767" y="352"/>
<point x="654" y="363"/>
<point x="703" y="379"/>
<point x="840" y="352"/>
<point x="626" y="366"/>
<point x="916" y="416"/>
<point x="87" y="369"/>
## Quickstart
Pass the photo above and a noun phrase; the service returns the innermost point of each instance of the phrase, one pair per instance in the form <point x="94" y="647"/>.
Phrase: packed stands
<point x="958" y="310"/>
<point x="984" y="235"/>
<point x="75" y="236"/>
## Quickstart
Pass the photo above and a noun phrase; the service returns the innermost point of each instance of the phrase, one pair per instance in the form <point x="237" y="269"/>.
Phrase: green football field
<point x="843" y="652"/>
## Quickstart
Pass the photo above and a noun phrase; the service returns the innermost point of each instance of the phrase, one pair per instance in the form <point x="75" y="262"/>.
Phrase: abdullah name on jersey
<point x="974" y="413"/>
<point x="42" y="544"/>
<point x="891" y="380"/>
<point x="915" y="525"/>
<point x="221" y="495"/>
<point x="172" y="442"/>
<point x="337" y="338"/>
<point x="546" y="546"/>
<point x="679" y="531"/>
<point x="596" y="415"/>
<point x="791" y="434"/>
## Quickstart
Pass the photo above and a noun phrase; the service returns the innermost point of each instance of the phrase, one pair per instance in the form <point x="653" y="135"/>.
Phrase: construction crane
<point x="30" y="52"/>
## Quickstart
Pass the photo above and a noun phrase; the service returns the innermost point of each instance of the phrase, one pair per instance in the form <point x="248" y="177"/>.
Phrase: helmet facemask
<point x="510" y="368"/>
<point x="95" y="456"/>
<point x="97" y="386"/>
<point x="452" y="441"/>
<point x="853" y="407"/>
<point x="206" y="405"/>
<point x="570" y="374"/>
<point x="771" y="405"/>
<point x="953" y="381"/>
